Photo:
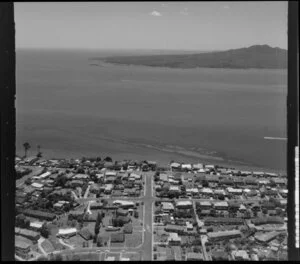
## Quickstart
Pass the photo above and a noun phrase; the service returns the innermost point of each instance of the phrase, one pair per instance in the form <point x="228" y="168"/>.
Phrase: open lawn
<point x="133" y="256"/>
<point x="133" y="240"/>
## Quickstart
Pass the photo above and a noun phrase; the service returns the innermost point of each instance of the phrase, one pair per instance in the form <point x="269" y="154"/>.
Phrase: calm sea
<point x="73" y="109"/>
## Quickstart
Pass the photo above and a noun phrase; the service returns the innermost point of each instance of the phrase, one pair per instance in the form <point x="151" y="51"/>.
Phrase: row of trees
<point x="27" y="146"/>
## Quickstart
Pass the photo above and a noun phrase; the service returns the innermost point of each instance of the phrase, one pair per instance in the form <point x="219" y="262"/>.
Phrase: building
<point x="32" y="235"/>
<point x="191" y="256"/>
<point x="240" y="255"/>
<point x="122" y="212"/>
<point x="167" y="207"/>
<point x="221" y="235"/>
<point x="38" y="186"/>
<point x="174" y="239"/>
<point x="266" y="237"/>
<point x="184" y="204"/>
<point x="66" y="232"/>
<point x="221" y="206"/>
<point x="234" y="191"/>
<point x="39" y="214"/>
<point x="36" y="226"/>
<point x="268" y="220"/>
<point x="175" y="228"/>
<point x="223" y="221"/>
<point x="85" y="234"/>
<point x="124" y="204"/>
<point x="22" y="248"/>
<point x="205" y="205"/>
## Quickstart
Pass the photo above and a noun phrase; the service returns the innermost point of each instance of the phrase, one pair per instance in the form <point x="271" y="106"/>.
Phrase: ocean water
<point x="73" y="109"/>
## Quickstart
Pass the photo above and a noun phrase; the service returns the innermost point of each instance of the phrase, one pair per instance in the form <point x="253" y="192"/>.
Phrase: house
<point x="163" y="177"/>
<point x="186" y="167"/>
<point x="206" y="191"/>
<point x="223" y="221"/>
<point x="267" y="220"/>
<point x="205" y="205"/>
<point x="174" y="228"/>
<point x="38" y="186"/>
<point x="32" y="235"/>
<point x="240" y="255"/>
<point x="174" y="239"/>
<point x="174" y="189"/>
<point x="22" y="248"/>
<point x="117" y="237"/>
<point x="108" y="188"/>
<point x="221" y="205"/>
<point x="197" y="166"/>
<point x="124" y="204"/>
<point x="234" y="191"/>
<point x="36" y="226"/>
<point x="219" y="255"/>
<point x="184" y="204"/>
<point x="167" y="207"/>
<point x="266" y="237"/>
<point x="221" y="235"/>
<point x="192" y="256"/>
<point x="85" y="233"/>
<point x="122" y="212"/>
<point x="39" y="214"/>
<point x="42" y="176"/>
<point x="66" y="232"/>
<point x="219" y="191"/>
<point x="80" y="176"/>
<point x="189" y="226"/>
<point x="175" y="166"/>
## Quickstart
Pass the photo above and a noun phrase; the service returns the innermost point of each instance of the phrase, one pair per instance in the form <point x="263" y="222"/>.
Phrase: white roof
<point x="110" y="173"/>
<point x="123" y="202"/>
<point x="37" y="185"/>
<point x="184" y="203"/>
<point x="283" y="191"/>
<point x="80" y="176"/>
<point x="175" y="164"/>
<point x="201" y="170"/>
<point x="221" y="204"/>
<point x="174" y="188"/>
<point x="247" y="190"/>
<point x="206" y="190"/>
<point x="233" y="190"/>
<point x="137" y="176"/>
<point x="198" y="166"/>
<point x="36" y="224"/>
<point x="67" y="231"/>
<point x="209" y="166"/>
<point x="110" y="258"/>
<point x="44" y="175"/>
<point x="187" y="166"/>
<point x="99" y="175"/>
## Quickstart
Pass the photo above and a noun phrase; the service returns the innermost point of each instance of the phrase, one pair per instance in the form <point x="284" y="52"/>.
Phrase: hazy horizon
<point x="186" y="26"/>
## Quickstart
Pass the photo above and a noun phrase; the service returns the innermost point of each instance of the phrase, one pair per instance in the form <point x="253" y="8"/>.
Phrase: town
<point x="99" y="209"/>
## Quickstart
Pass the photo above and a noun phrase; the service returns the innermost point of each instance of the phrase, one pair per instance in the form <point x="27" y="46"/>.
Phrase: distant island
<point x="257" y="56"/>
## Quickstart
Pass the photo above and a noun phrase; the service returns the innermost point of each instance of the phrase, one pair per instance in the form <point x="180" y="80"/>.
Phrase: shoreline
<point x="163" y="160"/>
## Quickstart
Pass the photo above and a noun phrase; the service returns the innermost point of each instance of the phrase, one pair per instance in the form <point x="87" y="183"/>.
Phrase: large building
<point x="221" y="235"/>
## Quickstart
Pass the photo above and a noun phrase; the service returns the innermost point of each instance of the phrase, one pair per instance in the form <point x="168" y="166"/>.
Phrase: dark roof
<point x="86" y="233"/>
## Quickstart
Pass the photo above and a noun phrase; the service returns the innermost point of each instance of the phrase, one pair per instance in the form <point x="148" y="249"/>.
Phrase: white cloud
<point x="226" y="7"/>
<point x="155" y="13"/>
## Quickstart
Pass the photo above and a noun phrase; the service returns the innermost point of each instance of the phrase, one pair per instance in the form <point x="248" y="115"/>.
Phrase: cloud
<point x="155" y="13"/>
<point x="226" y="7"/>
<point x="164" y="5"/>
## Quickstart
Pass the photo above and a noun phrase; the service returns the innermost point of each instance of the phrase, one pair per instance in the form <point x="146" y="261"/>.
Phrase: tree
<point x="39" y="153"/>
<point x="45" y="231"/>
<point x="108" y="159"/>
<point x="26" y="146"/>
<point x="205" y="183"/>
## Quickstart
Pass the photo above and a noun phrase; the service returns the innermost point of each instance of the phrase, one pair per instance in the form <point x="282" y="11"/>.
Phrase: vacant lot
<point x="133" y="240"/>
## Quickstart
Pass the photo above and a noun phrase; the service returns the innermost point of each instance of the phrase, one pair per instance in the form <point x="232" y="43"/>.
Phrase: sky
<point x="150" y="25"/>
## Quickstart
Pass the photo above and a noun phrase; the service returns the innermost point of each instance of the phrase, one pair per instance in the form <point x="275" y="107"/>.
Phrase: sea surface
<point x="73" y="107"/>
